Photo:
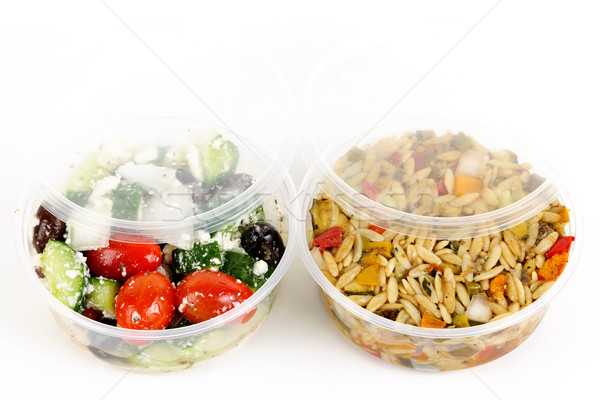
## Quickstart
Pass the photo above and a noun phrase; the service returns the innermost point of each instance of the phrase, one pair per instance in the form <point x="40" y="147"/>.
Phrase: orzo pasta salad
<point x="449" y="175"/>
<point x="434" y="282"/>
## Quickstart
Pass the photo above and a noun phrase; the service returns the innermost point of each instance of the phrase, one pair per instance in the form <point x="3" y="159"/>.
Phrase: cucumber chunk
<point x="85" y="174"/>
<point x="64" y="271"/>
<point x="101" y="295"/>
<point x="241" y="266"/>
<point x="219" y="159"/>
<point x="201" y="256"/>
<point x="126" y="201"/>
<point x="80" y="198"/>
<point x="81" y="181"/>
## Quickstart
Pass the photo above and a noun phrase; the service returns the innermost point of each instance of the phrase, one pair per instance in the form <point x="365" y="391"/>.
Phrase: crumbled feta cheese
<point x="151" y="177"/>
<point x="135" y="317"/>
<point x="113" y="154"/>
<point x="72" y="273"/>
<point x="186" y="242"/>
<point x="184" y="302"/>
<point x="104" y="186"/>
<point x="192" y="155"/>
<point x="225" y="241"/>
<point x="260" y="268"/>
<point x="202" y="236"/>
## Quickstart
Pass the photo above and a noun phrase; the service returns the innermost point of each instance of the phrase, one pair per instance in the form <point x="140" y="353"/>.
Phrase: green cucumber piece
<point x="79" y="198"/>
<point x="219" y="159"/>
<point x="241" y="266"/>
<point x="64" y="271"/>
<point x="505" y="198"/>
<point x="126" y="201"/>
<point x="101" y="295"/>
<point x="201" y="256"/>
<point x="85" y="174"/>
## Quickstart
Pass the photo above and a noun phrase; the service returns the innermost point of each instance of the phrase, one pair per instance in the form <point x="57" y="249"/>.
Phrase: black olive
<point x="184" y="176"/>
<point x="222" y="192"/>
<point x="48" y="228"/>
<point x="262" y="241"/>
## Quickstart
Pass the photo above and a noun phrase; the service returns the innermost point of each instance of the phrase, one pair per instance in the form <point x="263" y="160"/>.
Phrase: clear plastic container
<point x="342" y="111"/>
<point x="112" y="96"/>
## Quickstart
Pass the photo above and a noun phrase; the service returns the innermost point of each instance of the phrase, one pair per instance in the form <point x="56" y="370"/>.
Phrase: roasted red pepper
<point x="418" y="160"/>
<point x="395" y="158"/>
<point x="369" y="190"/>
<point x="562" y="245"/>
<point x="330" y="238"/>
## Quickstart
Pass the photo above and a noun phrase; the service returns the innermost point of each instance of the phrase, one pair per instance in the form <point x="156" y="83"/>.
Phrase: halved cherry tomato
<point x="124" y="257"/>
<point x="145" y="301"/>
<point x="205" y="294"/>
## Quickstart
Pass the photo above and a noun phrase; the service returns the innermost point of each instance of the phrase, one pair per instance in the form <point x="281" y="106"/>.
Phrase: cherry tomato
<point x="124" y="257"/>
<point x="205" y="294"/>
<point x="145" y="301"/>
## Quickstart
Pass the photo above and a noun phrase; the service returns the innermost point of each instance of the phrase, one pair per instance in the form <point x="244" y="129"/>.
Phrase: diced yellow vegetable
<point x="464" y="184"/>
<point x="564" y="215"/>
<point x="369" y="276"/>
<point x="520" y="230"/>
<point x="384" y="248"/>
<point x="371" y="258"/>
<point x="460" y="321"/>
<point x="356" y="288"/>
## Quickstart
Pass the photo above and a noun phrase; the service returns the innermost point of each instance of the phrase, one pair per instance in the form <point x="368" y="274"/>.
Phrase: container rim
<point x="23" y="237"/>
<point x="167" y="231"/>
<point x="405" y="222"/>
<point x="211" y="220"/>
<point x="310" y="186"/>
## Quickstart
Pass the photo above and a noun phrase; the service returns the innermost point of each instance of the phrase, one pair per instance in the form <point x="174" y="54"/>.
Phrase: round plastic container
<point x="115" y="100"/>
<point x="342" y="111"/>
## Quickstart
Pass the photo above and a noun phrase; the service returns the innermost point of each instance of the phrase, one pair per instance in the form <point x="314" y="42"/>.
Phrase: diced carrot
<point x="434" y="267"/>
<point x="429" y="321"/>
<point x="553" y="267"/>
<point x="377" y="229"/>
<point x="564" y="215"/>
<point x="369" y="276"/>
<point x="467" y="184"/>
<point x="498" y="285"/>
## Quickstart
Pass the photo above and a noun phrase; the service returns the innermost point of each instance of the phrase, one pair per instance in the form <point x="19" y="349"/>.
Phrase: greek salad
<point x="131" y="282"/>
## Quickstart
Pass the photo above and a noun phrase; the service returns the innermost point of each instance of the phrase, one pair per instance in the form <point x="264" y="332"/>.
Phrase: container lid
<point x="427" y="175"/>
<point x="138" y="138"/>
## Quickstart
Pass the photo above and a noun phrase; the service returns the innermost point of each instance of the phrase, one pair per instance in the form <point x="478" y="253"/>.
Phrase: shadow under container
<point x="413" y="346"/>
<point x="91" y="93"/>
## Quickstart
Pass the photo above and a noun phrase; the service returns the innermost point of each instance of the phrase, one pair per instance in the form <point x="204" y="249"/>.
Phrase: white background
<point x="529" y="64"/>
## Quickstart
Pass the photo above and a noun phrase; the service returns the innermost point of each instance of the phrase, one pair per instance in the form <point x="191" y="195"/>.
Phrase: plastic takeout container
<point x="114" y="93"/>
<point x="340" y="112"/>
